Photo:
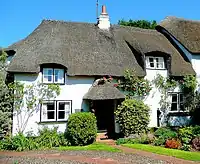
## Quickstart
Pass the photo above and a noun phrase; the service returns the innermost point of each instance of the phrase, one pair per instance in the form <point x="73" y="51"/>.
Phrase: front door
<point x="104" y="112"/>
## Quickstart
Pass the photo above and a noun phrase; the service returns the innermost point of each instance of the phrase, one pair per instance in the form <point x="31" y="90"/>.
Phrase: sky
<point x="20" y="17"/>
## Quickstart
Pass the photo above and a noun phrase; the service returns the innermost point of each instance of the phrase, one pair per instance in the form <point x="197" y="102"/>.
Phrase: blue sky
<point x="20" y="17"/>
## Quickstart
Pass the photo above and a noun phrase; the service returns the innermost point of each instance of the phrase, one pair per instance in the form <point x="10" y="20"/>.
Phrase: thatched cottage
<point x="75" y="55"/>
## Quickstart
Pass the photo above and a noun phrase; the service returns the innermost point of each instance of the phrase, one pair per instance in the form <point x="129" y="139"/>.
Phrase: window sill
<point x="156" y="69"/>
<point x="179" y="113"/>
<point x="52" y="122"/>
<point x="54" y="83"/>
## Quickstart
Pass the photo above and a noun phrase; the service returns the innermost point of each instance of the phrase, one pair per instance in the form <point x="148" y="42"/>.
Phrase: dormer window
<point x="53" y="75"/>
<point x="155" y="62"/>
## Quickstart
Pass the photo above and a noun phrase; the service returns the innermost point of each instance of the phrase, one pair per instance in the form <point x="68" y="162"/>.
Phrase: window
<point x="155" y="62"/>
<point x="55" y="111"/>
<point x="177" y="102"/>
<point x="53" y="75"/>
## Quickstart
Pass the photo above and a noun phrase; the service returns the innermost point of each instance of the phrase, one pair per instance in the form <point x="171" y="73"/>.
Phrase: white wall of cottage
<point x="74" y="89"/>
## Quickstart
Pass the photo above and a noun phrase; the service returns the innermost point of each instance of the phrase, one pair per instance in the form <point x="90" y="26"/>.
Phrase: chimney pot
<point x="104" y="9"/>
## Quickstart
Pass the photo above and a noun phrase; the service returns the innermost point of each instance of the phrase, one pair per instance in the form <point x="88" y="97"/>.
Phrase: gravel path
<point x="76" y="157"/>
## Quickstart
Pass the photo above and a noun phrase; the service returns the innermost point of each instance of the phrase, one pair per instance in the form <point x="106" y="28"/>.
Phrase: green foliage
<point x="143" y="139"/>
<point x="163" y="134"/>
<point x="132" y="116"/>
<point x="134" y="85"/>
<point x="18" y="143"/>
<point x="49" y="138"/>
<point x="139" y="23"/>
<point x="81" y="128"/>
<point x="189" y="84"/>
<point x="186" y="135"/>
<point x="28" y="99"/>
<point x="5" y="100"/>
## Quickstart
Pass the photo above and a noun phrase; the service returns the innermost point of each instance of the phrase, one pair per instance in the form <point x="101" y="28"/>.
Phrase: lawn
<point x="193" y="156"/>
<point x="94" y="147"/>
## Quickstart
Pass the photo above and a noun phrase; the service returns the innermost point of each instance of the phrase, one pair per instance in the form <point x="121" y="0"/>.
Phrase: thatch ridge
<point x="84" y="49"/>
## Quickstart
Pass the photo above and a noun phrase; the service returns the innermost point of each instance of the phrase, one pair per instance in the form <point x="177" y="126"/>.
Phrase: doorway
<point x="104" y="112"/>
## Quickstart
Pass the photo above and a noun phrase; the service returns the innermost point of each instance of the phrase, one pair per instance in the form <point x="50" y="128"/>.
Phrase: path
<point x="129" y="156"/>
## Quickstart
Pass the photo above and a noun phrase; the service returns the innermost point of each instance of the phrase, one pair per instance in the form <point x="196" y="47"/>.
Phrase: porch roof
<point x="103" y="92"/>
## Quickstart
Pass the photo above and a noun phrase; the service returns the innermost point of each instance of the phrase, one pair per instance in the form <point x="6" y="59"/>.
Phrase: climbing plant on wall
<point x="187" y="85"/>
<point x="134" y="85"/>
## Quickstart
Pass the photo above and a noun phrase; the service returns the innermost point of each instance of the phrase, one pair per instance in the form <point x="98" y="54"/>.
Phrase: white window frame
<point x="44" y="112"/>
<point x="160" y="61"/>
<point x="56" y="110"/>
<point x="178" y="102"/>
<point x="66" y="110"/>
<point x="53" y="77"/>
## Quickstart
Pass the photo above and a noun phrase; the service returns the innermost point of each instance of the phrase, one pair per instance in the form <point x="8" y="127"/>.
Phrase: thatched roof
<point x="105" y="91"/>
<point x="185" y="31"/>
<point x="84" y="49"/>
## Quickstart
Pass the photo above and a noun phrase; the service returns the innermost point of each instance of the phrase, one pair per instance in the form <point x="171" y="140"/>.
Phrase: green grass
<point x="193" y="156"/>
<point x="94" y="147"/>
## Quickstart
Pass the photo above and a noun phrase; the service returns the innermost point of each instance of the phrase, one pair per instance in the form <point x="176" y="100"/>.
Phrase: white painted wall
<point x="74" y="89"/>
<point x="195" y="60"/>
<point x="153" y="99"/>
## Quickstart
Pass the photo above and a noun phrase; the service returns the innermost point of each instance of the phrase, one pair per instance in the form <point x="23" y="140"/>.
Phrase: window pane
<point x="174" y="98"/>
<point x="159" y="65"/>
<point x="47" y="75"/>
<point x="181" y="97"/>
<point x="59" y="75"/>
<point x="50" y="115"/>
<point x="181" y="107"/>
<point x="174" y="107"/>
<point x="151" y="60"/>
<point x="61" y="106"/>
<point x="61" y="115"/>
<point x="50" y="106"/>
<point x="152" y="65"/>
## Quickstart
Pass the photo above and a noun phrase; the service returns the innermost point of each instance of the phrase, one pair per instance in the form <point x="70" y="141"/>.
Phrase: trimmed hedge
<point x="81" y="128"/>
<point x="133" y="117"/>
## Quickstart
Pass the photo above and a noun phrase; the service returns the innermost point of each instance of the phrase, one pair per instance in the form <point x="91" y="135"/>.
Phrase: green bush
<point x="18" y="143"/>
<point x="196" y="131"/>
<point x="49" y="138"/>
<point x="142" y="139"/>
<point x="82" y="128"/>
<point x="186" y="135"/>
<point x="133" y="117"/>
<point x="162" y="134"/>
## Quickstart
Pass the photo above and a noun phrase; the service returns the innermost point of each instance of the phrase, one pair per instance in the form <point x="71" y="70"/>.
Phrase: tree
<point x="28" y="99"/>
<point x="139" y="23"/>
<point x="5" y="99"/>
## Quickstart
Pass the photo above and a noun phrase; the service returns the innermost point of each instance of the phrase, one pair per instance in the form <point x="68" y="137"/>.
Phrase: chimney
<point x="104" y="22"/>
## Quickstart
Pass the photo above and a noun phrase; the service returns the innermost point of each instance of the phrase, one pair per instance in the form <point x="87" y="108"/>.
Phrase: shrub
<point x="196" y="143"/>
<point x="196" y="130"/>
<point x="49" y="138"/>
<point x="173" y="144"/>
<point x="159" y="141"/>
<point x="82" y="128"/>
<point x="162" y="134"/>
<point x="186" y="147"/>
<point x="18" y="143"/>
<point x="133" y="117"/>
<point x="121" y="141"/>
<point x="186" y="134"/>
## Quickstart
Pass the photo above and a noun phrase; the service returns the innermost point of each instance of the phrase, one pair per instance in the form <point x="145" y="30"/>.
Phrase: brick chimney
<point x="104" y="22"/>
